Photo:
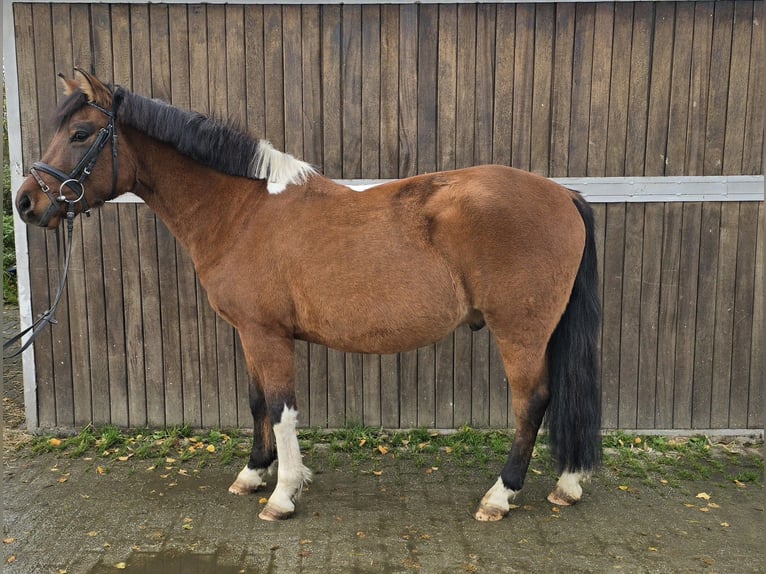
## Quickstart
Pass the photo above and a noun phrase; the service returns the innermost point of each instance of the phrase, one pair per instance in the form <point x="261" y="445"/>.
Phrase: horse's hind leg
<point x="264" y="451"/>
<point x="526" y="373"/>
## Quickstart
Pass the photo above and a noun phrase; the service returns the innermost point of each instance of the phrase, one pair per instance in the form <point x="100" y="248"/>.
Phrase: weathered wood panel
<point x="393" y="90"/>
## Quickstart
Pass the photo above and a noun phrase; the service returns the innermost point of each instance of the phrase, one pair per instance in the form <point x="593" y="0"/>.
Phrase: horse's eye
<point x="79" y="136"/>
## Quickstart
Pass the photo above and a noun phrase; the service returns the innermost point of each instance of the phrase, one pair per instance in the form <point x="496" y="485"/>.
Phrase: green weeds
<point x="650" y="460"/>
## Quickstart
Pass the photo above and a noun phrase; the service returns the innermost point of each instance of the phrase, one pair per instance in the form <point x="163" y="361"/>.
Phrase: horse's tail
<point x="574" y="410"/>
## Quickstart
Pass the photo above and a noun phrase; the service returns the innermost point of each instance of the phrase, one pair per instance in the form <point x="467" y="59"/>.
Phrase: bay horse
<point x="285" y="253"/>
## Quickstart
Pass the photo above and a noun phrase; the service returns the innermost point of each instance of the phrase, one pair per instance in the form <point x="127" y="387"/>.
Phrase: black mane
<point x="215" y="144"/>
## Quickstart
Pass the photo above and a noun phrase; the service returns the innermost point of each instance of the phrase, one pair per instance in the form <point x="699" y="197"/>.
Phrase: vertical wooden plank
<point x="354" y="388"/>
<point x="254" y="70"/>
<point x="603" y="27"/>
<point x="687" y="315"/>
<point x="705" y="333"/>
<point x="485" y="74"/>
<point x="700" y="83"/>
<point x="724" y="315"/>
<point x="755" y="400"/>
<point x="638" y="98"/>
<point x="752" y="162"/>
<point x="236" y="84"/>
<point x="582" y="72"/>
<point x="631" y="315"/>
<point x="736" y="110"/>
<point x="718" y="90"/>
<point x="512" y="90"/>
<point x="542" y="90"/>
<point x="317" y="405"/>
<point x="389" y="92"/>
<point x="659" y="94"/>
<point x="371" y="95"/>
<point x="371" y="409"/>
<point x="666" y="336"/>
<point x="618" y="89"/>
<point x="462" y="393"/>
<point x="408" y="90"/>
<point x="293" y="79"/>
<point x="466" y="77"/>
<point x="744" y="307"/>
<point x="273" y="80"/>
<point x="331" y="90"/>
<point x="614" y="241"/>
<point x="679" y="89"/>
<point x="389" y="391"/>
<point x="562" y="89"/>
<point x="651" y="261"/>
<point x="427" y="93"/>
<point x="447" y="88"/>
<point x="351" y="78"/>
<point x="499" y="396"/>
<point x="312" y="85"/>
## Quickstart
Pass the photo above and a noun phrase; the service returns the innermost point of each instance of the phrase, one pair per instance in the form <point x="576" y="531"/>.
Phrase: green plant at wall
<point x="10" y="290"/>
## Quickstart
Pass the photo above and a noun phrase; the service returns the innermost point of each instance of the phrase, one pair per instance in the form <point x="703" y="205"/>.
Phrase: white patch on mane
<point x="279" y="168"/>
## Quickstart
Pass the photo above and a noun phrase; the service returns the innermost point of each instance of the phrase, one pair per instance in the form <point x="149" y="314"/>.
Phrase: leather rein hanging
<point x="74" y="181"/>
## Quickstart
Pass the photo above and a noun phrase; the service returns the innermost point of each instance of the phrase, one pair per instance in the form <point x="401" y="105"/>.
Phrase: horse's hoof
<point x="241" y="490"/>
<point x="490" y="514"/>
<point x="272" y="514"/>
<point x="560" y="498"/>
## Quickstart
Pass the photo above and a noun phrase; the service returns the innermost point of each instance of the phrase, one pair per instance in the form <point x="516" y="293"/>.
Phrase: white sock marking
<point x="291" y="474"/>
<point x="569" y="483"/>
<point x="498" y="496"/>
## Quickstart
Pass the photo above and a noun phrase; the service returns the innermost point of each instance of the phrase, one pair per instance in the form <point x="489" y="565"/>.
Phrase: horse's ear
<point x="70" y="86"/>
<point x="92" y="87"/>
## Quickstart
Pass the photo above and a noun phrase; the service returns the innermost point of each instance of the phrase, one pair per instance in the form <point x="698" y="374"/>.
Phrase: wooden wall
<point x="569" y="89"/>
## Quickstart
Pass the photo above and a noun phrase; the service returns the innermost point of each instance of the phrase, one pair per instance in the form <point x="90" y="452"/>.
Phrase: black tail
<point x="574" y="411"/>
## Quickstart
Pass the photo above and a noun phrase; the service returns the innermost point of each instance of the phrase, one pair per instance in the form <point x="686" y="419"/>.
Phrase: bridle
<point x="75" y="182"/>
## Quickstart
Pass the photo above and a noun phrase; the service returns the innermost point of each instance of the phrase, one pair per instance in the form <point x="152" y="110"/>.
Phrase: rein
<point x="75" y="182"/>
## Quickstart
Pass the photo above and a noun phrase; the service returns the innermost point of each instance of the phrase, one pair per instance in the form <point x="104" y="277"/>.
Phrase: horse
<point x="286" y="254"/>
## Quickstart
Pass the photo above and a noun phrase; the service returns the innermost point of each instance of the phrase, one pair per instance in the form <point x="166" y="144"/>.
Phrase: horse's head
<point x="81" y="167"/>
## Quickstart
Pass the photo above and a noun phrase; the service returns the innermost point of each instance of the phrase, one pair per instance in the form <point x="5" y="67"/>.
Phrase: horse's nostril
<point x="25" y="204"/>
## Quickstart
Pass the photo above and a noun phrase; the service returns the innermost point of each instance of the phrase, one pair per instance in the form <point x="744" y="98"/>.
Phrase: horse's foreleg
<point x="272" y="358"/>
<point x="264" y="451"/>
<point x="530" y="399"/>
<point x="291" y="474"/>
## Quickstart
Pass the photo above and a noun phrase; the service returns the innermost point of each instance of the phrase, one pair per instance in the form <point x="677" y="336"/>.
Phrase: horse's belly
<point x="382" y="314"/>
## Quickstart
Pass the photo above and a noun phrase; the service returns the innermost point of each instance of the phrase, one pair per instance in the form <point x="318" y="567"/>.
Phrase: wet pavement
<point x="389" y="514"/>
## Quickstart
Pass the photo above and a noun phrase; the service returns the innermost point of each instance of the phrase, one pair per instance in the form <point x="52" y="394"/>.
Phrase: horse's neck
<point x="201" y="207"/>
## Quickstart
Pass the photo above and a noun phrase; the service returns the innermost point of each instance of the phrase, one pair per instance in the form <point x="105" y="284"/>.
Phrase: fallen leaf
<point x="704" y="509"/>
<point x="688" y="505"/>
<point x="11" y="559"/>
<point x="425" y="537"/>
<point x="361" y="534"/>
<point x="169" y="460"/>
<point x="93" y="533"/>
<point x="121" y="566"/>
<point x="305" y="541"/>
<point x="713" y="505"/>
<point x="555" y="509"/>
<point x="187" y="520"/>
<point x="448" y="449"/>
<point x="363" y="442"/>
<point x="703" y="496"/>
<point x="101" y="470"/>
<point x="210" y="448"/>
<point x="536" y="471"/>
<point x="63" y="479"/>
<point x="263" y="500"/>
<point x="738" y="483"/>
<point x="623" y="487"/>
<point x="725" y="524"/>
<point x="151" y="468"/>
<point x="124" y="458"/>
<point x="382" y="449"/>
<point x="377" y="472"/>
<point x="663" y="481"/>
<point x="183" y="472"/>
<point x="9" y="540"/>
<point x="652" y="549"/>
<point x="638" y="440"/>
<point x="54" y="442"/>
